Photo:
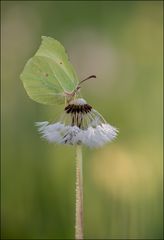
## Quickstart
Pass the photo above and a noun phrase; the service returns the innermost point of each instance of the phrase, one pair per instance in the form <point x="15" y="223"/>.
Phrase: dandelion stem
<point x="79" y="195"/>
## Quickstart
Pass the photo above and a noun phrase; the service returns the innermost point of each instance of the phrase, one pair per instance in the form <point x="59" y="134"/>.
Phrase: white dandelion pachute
<point x="79" y="124"/>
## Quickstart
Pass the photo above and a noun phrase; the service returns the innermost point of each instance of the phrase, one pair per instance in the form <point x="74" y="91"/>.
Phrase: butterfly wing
<point x="49" y="74"/>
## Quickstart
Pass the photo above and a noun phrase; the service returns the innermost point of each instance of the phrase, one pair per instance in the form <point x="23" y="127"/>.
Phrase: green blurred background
<point x="121" y="43"/>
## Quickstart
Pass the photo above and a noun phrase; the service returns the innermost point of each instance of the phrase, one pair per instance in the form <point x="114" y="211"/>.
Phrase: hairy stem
<point x="79" y="195"/>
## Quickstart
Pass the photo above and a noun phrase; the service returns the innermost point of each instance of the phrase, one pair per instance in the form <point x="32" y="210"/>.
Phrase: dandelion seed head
<point x="79" y="124"/>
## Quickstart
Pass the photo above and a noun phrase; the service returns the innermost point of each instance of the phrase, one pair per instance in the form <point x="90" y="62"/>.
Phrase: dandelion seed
<point x="79" y="124"/>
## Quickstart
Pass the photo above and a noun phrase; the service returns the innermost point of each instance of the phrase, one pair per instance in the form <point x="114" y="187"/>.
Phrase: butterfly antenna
<point x="92" y="76"/>
<point x="78" y="86"/>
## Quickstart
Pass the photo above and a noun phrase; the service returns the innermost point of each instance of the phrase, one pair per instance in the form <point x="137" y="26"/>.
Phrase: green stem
<point x="79" y="195"/>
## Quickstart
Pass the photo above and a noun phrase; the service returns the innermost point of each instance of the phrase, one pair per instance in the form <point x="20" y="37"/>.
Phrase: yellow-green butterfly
<point x="49" y="77"/>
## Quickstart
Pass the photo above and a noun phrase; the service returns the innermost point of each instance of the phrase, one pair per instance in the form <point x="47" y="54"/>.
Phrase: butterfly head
<point x="71" y="96"/>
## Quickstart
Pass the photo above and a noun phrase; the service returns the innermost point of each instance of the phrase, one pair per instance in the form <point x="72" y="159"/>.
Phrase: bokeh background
<point x="121" y="43"/>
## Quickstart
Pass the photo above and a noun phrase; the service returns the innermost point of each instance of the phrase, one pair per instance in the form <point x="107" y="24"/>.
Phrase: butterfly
<point x="49" y="77"/>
